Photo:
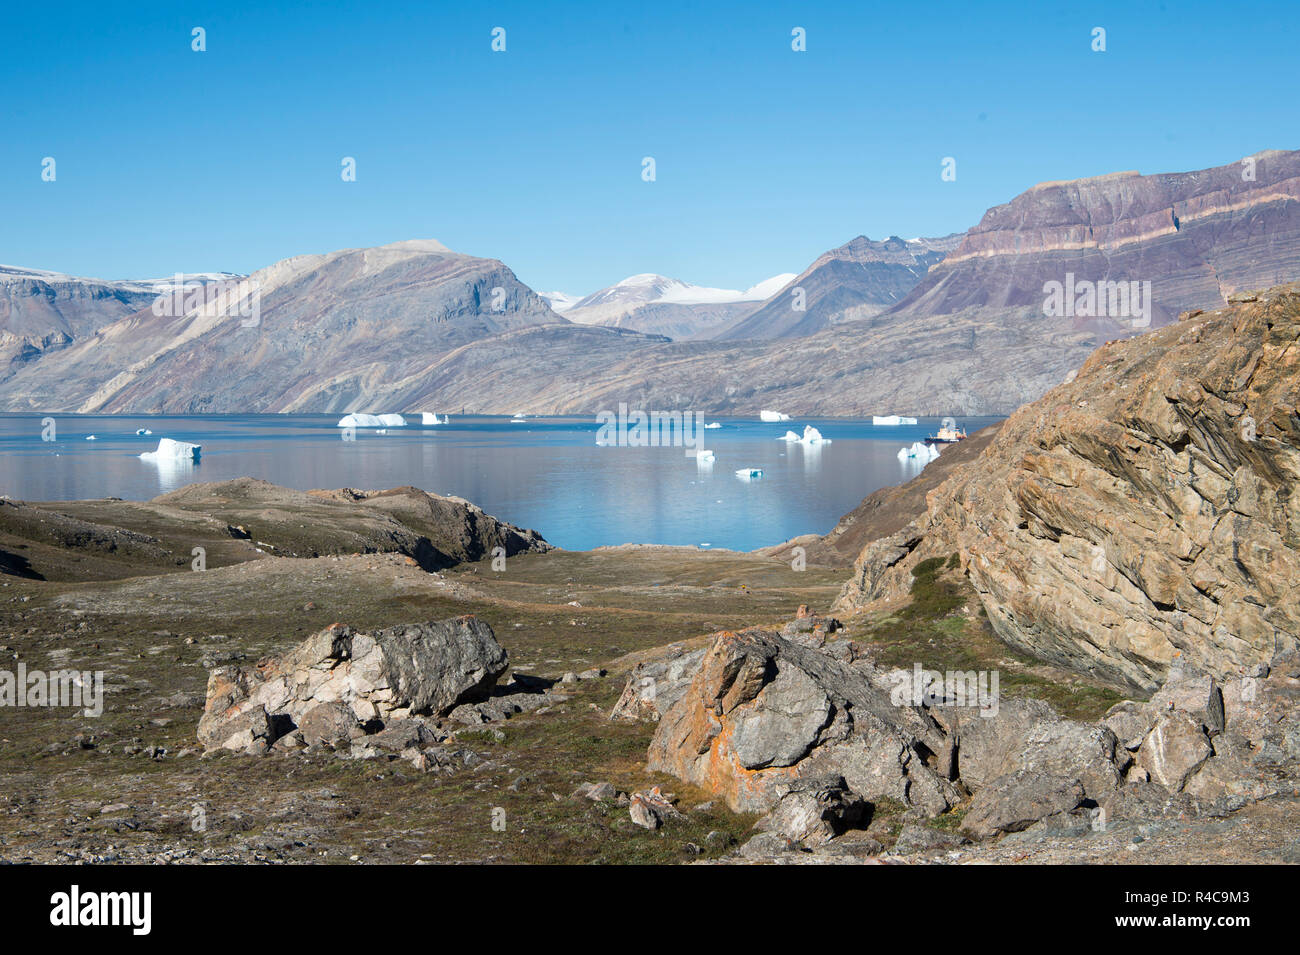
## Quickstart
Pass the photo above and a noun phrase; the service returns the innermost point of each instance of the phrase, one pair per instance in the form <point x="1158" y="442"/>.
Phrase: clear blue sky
<point x="229" y="159"/>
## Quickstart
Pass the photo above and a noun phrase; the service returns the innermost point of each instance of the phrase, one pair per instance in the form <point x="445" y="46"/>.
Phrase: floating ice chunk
<point x="427" y="418"/>
<point x="788" y="436"/>
<point x="703" y="456"/>
<point x="919" y="451"/>
<point x="519" y="419"/>
<point x="772" y="416"/>
<point x="174" y="451"/>
<point x="711" y="425"/>
<point x="747" y="474"/>
<point x="810" y="436"/>
<point x="359" y="420"/>
<point x="891" y="419"/>
<point x="143" y="431"/>
<point x="91" y="437"/>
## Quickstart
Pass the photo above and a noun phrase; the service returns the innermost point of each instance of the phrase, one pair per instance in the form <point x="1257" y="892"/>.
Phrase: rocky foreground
<point x="1077" y="645"/>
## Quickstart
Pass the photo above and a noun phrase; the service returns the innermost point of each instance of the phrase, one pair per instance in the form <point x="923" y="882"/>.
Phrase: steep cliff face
<point x="44" y="311"/>
<point x="1196" y="237"/>
<point x="1143" y="510"/>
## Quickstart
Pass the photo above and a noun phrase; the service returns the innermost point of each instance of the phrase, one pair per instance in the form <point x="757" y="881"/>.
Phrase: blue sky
<point x="168" y="159"/>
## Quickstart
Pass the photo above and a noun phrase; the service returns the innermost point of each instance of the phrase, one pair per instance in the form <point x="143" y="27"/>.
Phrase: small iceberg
<point x="519" y="419"/>
<point x="430" y="419"/>
<point x="789" y="436"/>
<point x="712" y="425"/>
<point x="772" y="416"/>
<point x="91" y="437"/>
<point x="703" y="456"/>
<point x="811" y="436"/>
<point x="747" y="474"/>
<point x="169" y="450"/>
<point x="919" y="451"/>
<point x="143" y="431"/>
<point x="358" y="420"/>
<point x="891" y="420"/>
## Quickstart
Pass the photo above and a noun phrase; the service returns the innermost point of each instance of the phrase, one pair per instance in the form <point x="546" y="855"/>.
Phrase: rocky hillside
<point x="859" y="279"/>
<point x="331" y="328"/>
<point x="1139" y="515"/>
<point x="246" y="520"/>
<point x="1196" y="237"/>
<point x="43" y="311"/>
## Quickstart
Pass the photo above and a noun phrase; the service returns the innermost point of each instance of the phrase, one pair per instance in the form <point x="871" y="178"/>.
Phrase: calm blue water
<point x="547" y="474"/>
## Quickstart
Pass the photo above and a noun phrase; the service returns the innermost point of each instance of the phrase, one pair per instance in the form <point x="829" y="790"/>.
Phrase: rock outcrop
<point x="813" y="737"/>
<point x="341" y="684"/>
<point x="1145" y="509"/>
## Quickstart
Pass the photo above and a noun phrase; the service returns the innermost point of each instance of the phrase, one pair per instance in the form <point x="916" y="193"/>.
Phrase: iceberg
<point x="703" y="456"/>
<point x="169" y="450"/>
<point x="772" y="416"/>
<point x="427" y="418"/>
<point x="788" y="436"/>
<point x="143" y="431"/>
<point x="891" y="419"/>
<point x="811" y="436"/>
<point x="919" y="451"/>
<point x="711" y="426"/>
<point x="358" y="420"/>
<point x="748" y="473"/>
<point x="91" y="437"/>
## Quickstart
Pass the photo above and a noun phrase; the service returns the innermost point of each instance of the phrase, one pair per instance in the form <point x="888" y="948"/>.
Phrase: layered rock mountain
<point x="415" y="325"/>
<point x="1140" y="516"/>
<point x="328" y="330"/>
<point x="859" y="279"/>
<point x="1196" y="237"/>
<point x="42" y="311"/>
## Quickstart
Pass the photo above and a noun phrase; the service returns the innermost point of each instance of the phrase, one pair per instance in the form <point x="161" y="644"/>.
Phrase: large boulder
<point x="763" y="715"/>
<point x="339" y="679"/>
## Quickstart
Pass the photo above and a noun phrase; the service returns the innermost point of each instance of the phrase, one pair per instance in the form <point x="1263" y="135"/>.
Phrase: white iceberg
<point x="789" y="436"/>
<point x="772" y="416"/>
<point x="169" y="450"/>
<point x="91" y="437"/>
<point x="427" y="418"/>
<point x="811" y="436"/>
<point x="358" y="420"/>
<point x="143" y="431"/>
<point x="749" y="473"/>
<point x="919" y="451"/>
<point x="704" y="456"/>
<point x="891" y="419"/>
<point x="711" y="426"/>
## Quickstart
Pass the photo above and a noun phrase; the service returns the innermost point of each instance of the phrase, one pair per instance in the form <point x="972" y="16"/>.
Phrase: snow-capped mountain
<point x="660" y="305"/>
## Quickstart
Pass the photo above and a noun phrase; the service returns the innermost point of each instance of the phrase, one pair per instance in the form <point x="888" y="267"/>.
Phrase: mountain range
<point x="956" y="325"/>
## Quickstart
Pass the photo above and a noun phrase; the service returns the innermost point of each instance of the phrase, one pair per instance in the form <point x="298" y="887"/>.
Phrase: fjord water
<point x="546" y="473"/>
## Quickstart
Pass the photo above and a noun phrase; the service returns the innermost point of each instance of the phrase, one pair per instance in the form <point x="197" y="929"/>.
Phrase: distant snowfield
<point x="12" y="273"/>
<point x="650" y="288"/>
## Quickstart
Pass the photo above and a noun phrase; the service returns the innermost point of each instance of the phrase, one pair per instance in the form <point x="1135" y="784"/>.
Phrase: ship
<point x="948" y="434"/>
